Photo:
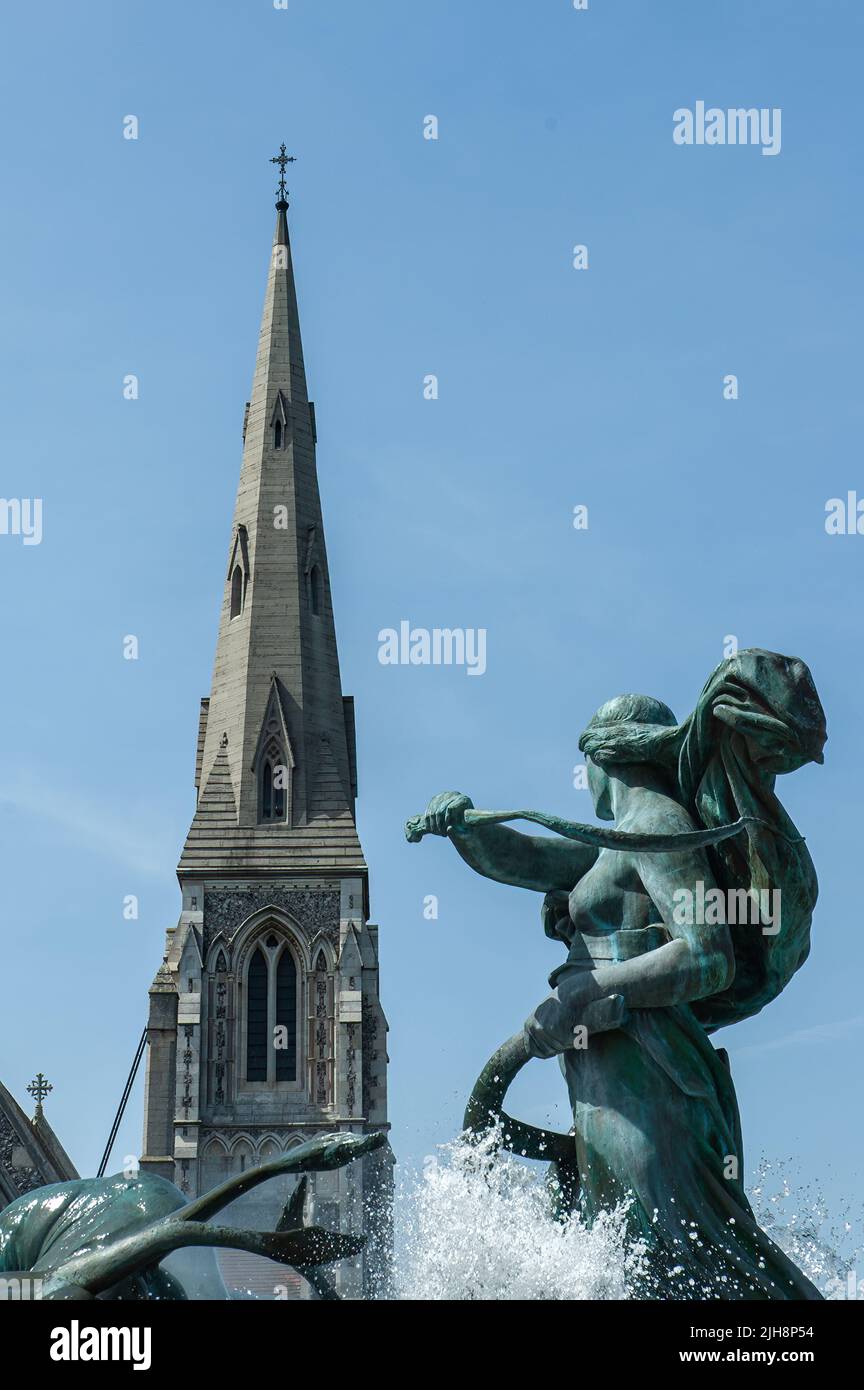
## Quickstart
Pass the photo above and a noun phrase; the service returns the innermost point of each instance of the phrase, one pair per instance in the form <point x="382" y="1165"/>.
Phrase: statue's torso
<point x="611" y="896"/>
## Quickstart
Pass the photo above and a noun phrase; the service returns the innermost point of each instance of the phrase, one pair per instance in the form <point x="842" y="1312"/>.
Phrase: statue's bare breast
<point x="611" y="896"/>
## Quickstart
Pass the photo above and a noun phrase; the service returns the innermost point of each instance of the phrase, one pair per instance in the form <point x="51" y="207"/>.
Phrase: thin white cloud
<point x="136" y="846"/>
<point x="840" y="1030"/>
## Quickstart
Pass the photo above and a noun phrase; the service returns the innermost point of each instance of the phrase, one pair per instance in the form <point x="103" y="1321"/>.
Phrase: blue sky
<point x="557" y="387"/>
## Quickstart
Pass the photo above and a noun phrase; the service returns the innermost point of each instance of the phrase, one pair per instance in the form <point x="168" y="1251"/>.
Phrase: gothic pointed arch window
<point x="286" y="1018"/>
<point x="242" y="1156"/>
<point x="215" y="1164"/>
<point x="274" y="785"/>
<point x="238" y="572"/>
<point x="271" y="1015"/>
<point x="279" y="421"/>
<point x="257" y="990"/>
<point x="236" y="592"/>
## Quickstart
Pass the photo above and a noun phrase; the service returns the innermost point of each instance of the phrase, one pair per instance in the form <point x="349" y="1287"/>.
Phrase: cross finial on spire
<point x="282" y="159"/>
<point x="38" y="1090"/>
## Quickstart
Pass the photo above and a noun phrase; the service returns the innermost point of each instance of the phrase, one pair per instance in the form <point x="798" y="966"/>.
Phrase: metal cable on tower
<point x="130" y="1082"/>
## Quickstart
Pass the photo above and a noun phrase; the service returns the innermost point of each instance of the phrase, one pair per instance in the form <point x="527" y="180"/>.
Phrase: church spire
<point x="276" y="775"/>
<point x="265" y="1023"/>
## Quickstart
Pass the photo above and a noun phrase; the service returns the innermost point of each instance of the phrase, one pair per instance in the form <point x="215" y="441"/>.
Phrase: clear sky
<point x="557" y="387"/>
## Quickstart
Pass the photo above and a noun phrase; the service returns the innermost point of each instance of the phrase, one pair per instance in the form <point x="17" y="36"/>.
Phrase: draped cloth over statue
<point x="656" y="1124"/>
<point x="655" y="1115"/>
<point x="758" y="715"/>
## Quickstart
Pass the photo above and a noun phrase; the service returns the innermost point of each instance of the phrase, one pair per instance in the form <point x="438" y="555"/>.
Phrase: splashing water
<point x="478" y="1224"/>
<point x="819" y="1242"/>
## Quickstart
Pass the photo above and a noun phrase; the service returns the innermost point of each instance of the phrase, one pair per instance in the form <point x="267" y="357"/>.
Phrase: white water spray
<point x="477" y="1224"/>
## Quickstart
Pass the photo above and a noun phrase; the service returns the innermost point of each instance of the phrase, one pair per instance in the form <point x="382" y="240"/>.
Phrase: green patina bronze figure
<point x="105" y="1237"/>
<point x="693" y="913"/>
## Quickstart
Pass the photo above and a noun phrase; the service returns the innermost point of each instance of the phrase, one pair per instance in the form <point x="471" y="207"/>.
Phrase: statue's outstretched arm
<point x="547" y="865"/>
<point x="538" y="862"/>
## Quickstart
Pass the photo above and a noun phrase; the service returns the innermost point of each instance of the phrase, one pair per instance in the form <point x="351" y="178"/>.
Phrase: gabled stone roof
<point x="31" y="1155"/>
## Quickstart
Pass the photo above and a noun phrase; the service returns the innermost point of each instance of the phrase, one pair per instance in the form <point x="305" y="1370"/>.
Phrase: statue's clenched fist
<point x="446" y="813"/>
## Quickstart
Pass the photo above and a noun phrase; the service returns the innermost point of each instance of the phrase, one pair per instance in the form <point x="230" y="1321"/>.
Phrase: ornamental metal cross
<point x="39" y="1090"/>
<point x="282" y="159"/>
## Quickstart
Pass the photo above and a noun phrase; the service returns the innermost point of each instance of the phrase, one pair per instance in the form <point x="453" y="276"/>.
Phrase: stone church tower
<point x="265" y="1025"/>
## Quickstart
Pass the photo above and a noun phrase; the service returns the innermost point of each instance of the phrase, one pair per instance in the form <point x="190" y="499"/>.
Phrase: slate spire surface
<point x="276" y="692"/>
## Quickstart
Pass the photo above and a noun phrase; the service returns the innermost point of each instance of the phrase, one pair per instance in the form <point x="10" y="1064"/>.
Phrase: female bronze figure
<point x="650" y="973"/>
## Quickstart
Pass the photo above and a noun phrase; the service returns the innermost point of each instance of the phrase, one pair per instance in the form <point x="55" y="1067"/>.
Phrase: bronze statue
<point x="104" y="1237"/>
<point x="658" y="958"/>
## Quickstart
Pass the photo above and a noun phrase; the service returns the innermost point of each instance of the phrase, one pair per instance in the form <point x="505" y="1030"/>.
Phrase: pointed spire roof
<point x="276" y="682"/>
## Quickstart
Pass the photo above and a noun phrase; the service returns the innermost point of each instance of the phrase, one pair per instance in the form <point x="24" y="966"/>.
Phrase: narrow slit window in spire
<point x="236" y="592"/>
